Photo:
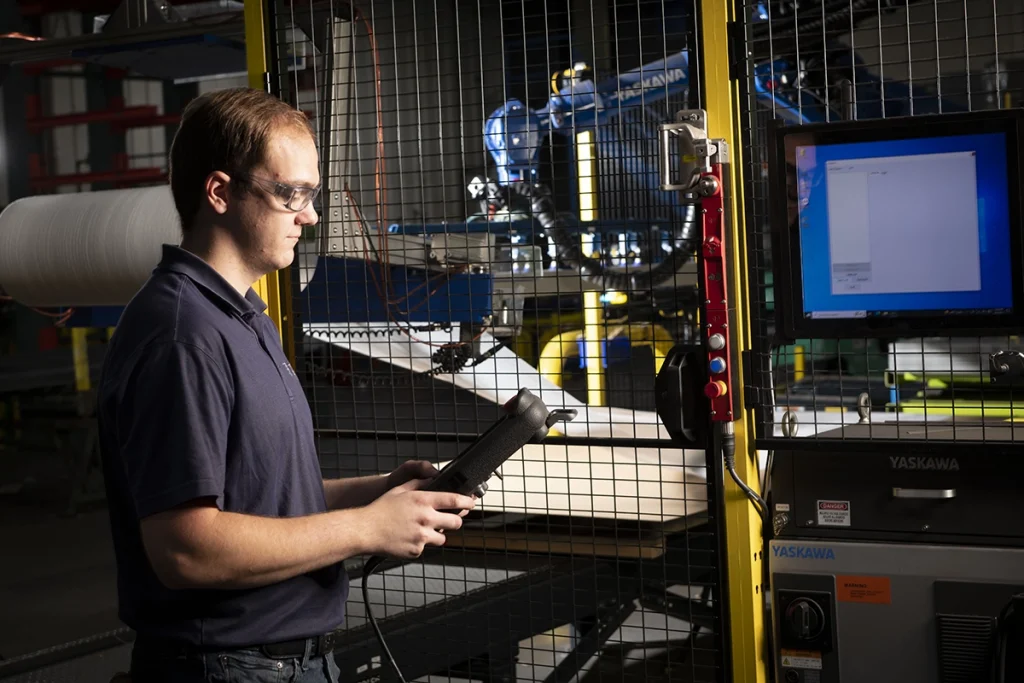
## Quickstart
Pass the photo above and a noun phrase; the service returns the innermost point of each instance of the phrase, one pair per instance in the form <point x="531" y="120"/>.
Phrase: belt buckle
<point x="327" y="642"/>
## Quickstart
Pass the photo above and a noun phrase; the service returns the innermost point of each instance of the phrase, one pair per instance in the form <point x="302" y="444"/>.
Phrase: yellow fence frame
<point x="743" y="538"/>
<point x="274" y="288"/>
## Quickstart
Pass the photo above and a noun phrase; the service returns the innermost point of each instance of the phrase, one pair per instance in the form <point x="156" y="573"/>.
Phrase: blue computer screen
<point x="897" y="226"/>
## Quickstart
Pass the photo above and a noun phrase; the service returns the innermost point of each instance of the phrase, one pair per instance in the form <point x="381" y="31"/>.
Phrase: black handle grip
<point x="679" y="395"/>
<point x="527" y="420"/>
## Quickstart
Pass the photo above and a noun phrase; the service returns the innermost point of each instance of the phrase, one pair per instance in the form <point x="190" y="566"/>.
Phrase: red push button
<point x="716" y="389"/>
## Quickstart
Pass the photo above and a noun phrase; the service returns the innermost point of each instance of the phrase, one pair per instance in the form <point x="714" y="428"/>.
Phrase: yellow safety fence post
<point x="593" y="308"/>
<point x="593" y="336"/>
<point x="720" y="98"/>
<point x="80" y="357"/>
<point x="798" y="363"/>
<point x="274" y="288"/>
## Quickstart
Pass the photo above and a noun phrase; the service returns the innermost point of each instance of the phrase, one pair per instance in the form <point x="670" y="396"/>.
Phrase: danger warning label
<point x="801" y="659"/>
<point x="833" y="513"/>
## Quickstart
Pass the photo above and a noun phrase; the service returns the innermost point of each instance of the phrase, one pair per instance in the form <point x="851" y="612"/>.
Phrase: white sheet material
<point x="497" y="379"/>
<point x="651" y="484"/>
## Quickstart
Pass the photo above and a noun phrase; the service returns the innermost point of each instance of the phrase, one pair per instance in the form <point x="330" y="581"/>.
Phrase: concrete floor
<point x="57" y="583"/>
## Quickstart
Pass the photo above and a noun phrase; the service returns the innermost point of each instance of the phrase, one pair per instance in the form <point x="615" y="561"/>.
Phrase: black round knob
<point x="805" y="618"/>
<point x="792" y="676"/>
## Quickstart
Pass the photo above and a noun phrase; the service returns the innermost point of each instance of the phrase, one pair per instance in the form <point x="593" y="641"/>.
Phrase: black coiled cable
<point x="569" y="254"/>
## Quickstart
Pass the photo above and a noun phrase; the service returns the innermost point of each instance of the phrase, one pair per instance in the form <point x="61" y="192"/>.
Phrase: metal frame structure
<point x="733" y="517"/>
<point x="742" y="525"/>
<point x="926" y="465"/>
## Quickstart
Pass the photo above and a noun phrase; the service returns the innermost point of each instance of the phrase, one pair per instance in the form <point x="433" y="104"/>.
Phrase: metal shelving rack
<point x="37" y="159"/>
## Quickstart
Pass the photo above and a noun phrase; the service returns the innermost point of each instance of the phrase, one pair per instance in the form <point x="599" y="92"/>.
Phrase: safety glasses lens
<point x="301" y="198"/>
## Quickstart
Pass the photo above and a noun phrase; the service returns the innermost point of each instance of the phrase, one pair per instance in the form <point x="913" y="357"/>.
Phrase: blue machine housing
<point x="343" y="290"/>
<point x="95" y="316"/>
<point x="346" y="290"/>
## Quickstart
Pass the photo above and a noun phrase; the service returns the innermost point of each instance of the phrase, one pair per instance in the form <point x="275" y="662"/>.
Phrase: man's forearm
<point x="352" y="492"/>
<point x="215" y="549"/>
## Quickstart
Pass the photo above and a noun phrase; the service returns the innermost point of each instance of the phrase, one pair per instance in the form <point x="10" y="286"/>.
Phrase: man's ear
<point x="217" y="191"/>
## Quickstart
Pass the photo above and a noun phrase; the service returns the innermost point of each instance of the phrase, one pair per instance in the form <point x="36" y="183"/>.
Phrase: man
<point x="229" y="543"/>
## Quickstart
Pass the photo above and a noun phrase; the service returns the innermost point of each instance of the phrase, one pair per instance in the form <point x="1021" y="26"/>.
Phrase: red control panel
<point x="716" y="305"/>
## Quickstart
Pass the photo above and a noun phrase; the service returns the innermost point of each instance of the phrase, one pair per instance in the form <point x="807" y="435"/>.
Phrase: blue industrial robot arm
<point x="514" y="133"/>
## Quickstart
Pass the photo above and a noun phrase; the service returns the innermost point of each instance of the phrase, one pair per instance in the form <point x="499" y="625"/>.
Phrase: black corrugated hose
<point x="837" y="15"/>
<point x="684" y="243"/>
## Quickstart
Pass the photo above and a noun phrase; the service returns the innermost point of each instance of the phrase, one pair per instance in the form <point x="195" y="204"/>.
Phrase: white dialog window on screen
<point x="905" y="224"/>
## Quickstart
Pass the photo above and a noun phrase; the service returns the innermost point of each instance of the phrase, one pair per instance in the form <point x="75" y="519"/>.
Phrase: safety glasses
<point x="295" y="197"/>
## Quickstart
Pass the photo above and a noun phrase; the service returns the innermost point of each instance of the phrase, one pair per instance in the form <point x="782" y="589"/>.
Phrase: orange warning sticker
<point x="874" y="590"/>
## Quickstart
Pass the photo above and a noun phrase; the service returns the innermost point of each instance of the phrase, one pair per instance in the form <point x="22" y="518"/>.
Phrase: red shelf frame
<point x="120" y="176"/>
<point x="125" y="117"/>
<point x="128" y="176"/>
<point x="146" y="122"/>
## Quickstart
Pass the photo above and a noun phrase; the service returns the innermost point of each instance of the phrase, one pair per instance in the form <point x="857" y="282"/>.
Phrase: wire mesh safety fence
<point x="833" y="61"/>
<point x="491" y="219"/>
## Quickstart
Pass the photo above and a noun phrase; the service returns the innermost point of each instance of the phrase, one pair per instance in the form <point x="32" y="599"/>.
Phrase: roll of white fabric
<point x="84" y="249"/>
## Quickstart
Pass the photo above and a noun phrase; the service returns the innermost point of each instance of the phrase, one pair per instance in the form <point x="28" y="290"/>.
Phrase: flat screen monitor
<point x="896" y="227"/>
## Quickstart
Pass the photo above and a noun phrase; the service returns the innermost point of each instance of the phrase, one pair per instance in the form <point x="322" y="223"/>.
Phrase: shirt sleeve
<point x="173" y="422"/>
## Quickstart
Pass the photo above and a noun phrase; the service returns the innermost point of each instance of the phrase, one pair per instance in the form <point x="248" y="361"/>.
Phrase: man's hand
<point x="410" y="471"/>
<point x="405" y="520"/>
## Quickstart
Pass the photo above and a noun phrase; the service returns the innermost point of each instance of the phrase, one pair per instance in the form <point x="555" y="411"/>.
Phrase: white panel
<point x="212" y="84"/>
<point x="66" y="95"/>
<point x="146" y="147"/>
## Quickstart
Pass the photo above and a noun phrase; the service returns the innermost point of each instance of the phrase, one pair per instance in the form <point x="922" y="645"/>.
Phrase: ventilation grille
<point x="965" y="647"/>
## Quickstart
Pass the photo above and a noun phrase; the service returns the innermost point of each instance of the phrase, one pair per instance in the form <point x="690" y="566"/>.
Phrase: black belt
<point x="318" y="646"/>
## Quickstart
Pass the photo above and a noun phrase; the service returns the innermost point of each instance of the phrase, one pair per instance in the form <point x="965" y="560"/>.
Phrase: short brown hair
<point x="224" y="130"/>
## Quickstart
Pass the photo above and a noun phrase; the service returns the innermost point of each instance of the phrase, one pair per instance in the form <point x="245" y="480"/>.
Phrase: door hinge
<point x="737" y="50"/>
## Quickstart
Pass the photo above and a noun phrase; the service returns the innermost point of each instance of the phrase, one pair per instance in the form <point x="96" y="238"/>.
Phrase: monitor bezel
<point x="785" y="239"/>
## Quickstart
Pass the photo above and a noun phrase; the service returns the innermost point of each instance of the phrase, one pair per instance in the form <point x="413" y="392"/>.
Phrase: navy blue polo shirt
<point x="197" y="400"/>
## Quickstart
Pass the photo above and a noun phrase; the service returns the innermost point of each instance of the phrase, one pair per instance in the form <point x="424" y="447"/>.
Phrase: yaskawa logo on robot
<point x="804" y="552"/>
<point x="656" y="81"/>
<point x="901" y="462"/>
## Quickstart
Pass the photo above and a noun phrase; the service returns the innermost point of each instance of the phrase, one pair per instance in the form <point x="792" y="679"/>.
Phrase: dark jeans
<point x="150" y="665"/>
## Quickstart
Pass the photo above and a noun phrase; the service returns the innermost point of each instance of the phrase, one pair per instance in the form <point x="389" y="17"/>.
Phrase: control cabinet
<point x="916" y="494"/>
<point x="879" y="612"/>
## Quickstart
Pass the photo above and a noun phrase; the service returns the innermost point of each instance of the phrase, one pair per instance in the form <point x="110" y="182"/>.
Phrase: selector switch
<point x="805" y="618"/>
<point x="717" y="366"/>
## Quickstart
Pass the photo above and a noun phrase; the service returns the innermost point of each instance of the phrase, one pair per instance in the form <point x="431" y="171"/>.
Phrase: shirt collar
<point x="178" y="260"/>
